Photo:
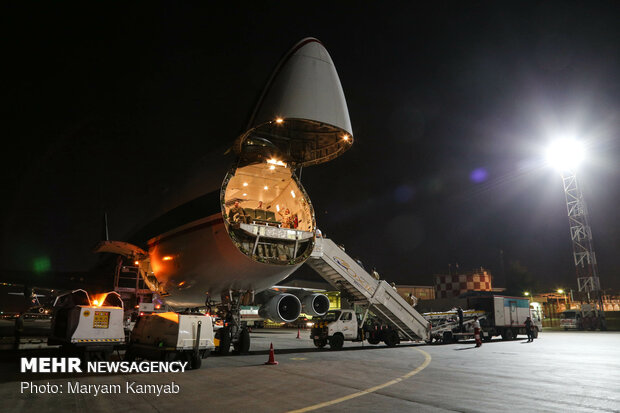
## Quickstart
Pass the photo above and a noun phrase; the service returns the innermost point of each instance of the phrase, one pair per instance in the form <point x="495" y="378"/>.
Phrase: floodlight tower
<point x="566" y="155"/>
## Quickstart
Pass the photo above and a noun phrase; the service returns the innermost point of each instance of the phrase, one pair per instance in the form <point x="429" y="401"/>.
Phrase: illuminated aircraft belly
<point x="201" y="258"/>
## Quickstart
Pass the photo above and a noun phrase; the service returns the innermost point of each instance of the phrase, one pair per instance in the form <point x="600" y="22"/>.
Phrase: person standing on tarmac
<point x="477" y="332"/>
<point x="528" y="330"/>
<point x="18" y="331"/>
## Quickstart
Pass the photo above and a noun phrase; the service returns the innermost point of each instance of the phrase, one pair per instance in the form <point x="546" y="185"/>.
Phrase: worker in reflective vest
<point x="477" y="332"/>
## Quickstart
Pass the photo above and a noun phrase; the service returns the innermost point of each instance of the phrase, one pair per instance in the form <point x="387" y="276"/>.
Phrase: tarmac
<point x="560" y="371"/>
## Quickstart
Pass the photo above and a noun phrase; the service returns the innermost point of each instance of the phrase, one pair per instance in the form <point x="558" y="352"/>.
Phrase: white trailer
<point x="172" y="336"/>
<point x="505" y="316"/>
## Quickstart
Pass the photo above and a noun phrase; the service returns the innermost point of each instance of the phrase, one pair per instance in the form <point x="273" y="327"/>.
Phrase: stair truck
<point x="384" y="315"/>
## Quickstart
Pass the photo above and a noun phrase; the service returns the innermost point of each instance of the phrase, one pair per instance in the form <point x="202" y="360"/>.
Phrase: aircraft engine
<point x="281" y="308"/>
<point x="315" y="304"/>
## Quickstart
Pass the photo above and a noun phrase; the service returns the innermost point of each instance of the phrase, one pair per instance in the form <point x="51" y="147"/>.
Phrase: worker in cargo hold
<point x="528" y="330"/>
<point x="237" y="214"/>
<point x="286" y="218"/>
<point x="477" y="332"/>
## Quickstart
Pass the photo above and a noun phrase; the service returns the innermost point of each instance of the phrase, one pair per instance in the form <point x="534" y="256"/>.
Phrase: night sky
<point x="451" y="105"/>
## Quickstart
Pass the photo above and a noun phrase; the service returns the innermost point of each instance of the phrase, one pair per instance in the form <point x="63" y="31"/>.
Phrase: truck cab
<point x="336" y="326"/>
<point x="333" y="328"/>
<point x="586" y="318"/>
<point x="570" y="319"/>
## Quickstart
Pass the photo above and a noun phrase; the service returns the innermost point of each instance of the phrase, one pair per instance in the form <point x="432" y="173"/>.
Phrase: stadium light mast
<point x="566" y="155"/>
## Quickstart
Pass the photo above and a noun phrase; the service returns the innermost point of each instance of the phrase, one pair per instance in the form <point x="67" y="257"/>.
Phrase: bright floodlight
<point x="565" y="154"/>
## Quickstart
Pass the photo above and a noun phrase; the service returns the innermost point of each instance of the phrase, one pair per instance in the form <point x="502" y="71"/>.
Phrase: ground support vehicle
<point x="588" y="317"/>
<point x="89" y="331"/>
<point x="338" y="326"/>
<point x="447" y="327"/>
<point x="172" y="336"/>
<point x="505" y="316"/>
<point x="384" y="315"/>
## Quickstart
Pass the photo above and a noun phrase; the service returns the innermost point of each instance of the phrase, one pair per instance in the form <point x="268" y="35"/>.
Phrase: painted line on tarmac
<point x="427" y="361"/>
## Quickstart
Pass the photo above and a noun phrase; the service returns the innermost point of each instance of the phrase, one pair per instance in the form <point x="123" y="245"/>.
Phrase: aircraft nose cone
<point x="303" y="110"/>
<point x="305" y="85"/>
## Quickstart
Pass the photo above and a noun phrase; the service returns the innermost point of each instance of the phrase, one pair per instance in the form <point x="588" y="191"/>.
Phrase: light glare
<point x="565" y="154"/>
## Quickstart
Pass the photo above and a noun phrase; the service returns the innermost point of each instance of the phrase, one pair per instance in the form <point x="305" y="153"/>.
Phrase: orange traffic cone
<point x="272" y="359"/>
<point x="298" y="332"/>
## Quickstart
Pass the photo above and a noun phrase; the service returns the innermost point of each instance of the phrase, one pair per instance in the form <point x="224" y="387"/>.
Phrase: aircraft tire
<point x="243" y="345"/>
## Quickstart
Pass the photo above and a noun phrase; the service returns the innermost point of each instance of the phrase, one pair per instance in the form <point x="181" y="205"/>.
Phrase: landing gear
<point x="235" y="332"/>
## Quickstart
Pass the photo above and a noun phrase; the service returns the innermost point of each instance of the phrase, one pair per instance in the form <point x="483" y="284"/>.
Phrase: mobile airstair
<point x="345" y="274"/>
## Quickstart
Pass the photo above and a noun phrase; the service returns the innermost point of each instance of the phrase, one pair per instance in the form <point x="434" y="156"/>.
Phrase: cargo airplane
<point x="231" y="244"/>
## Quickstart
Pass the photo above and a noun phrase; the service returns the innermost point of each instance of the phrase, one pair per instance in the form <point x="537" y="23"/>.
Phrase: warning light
<point x="99" y="299"/>
<point x="137" y="262"/>
<point x="158" y="306"/>
<point x="167" y="258"/>
<point x="279" y="120"/>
